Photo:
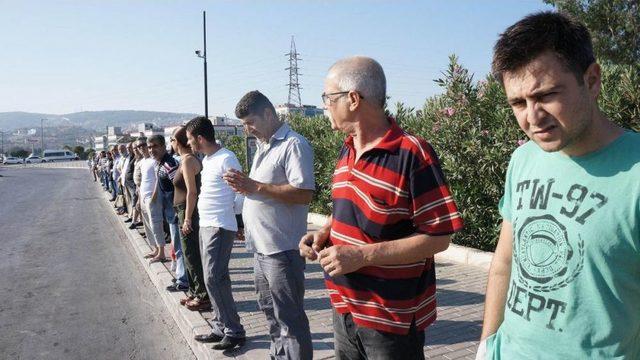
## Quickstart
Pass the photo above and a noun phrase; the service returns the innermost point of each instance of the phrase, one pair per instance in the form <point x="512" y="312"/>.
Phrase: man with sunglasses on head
<point x="392" y="212"/>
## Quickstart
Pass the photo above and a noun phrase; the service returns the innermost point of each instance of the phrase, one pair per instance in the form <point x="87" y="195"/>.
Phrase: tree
<point x="614" y="26"/>
<point x="236" y="144"/>
<point x="79" y="150"/>
<point x="19" y="152"/>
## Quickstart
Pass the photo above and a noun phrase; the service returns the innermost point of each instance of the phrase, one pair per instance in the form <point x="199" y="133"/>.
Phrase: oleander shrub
<point x="474" y="132"/>
<point x="620" y="94"/>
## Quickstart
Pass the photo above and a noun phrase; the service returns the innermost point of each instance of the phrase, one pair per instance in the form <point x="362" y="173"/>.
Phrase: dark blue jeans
<point x="104" y="177"/>
<point x="166" y="199"/>
<point x="114" y="188"/>
<point x="353" y="342"/>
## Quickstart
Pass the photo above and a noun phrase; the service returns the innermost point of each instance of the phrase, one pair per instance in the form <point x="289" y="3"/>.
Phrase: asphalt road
<point x="69" y="286"/>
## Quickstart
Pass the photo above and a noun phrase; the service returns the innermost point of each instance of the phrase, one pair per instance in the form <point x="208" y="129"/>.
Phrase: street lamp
<point x="203" y="55"/>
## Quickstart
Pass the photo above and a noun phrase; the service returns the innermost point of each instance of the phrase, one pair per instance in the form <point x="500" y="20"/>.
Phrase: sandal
<point x="160" y="260"/>
<point x="149" y="256"/>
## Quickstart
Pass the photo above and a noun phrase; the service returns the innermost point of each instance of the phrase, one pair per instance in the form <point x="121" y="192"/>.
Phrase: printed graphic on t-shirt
<point x="547" y="255"/>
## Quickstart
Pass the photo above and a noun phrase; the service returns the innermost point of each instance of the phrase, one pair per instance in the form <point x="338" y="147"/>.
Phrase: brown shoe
<point x="198" y="304"/>
<point x="186" y="300"/>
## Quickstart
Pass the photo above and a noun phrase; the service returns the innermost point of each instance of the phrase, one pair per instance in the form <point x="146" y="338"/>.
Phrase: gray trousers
<point x="152" y="211"/>
<point x="279" y="281"/>
<point x="215" y="249"/>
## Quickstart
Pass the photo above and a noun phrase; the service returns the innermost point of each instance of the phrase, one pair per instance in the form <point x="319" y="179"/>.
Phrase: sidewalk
<point x="453" y="336"/>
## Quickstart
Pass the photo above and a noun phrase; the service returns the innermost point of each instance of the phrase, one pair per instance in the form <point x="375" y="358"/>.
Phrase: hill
<point x="95" y="120"/>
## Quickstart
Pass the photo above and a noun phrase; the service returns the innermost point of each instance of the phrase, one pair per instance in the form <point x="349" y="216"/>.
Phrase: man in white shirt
<point x="217" y="231"/>
<point x="151" y="208"/>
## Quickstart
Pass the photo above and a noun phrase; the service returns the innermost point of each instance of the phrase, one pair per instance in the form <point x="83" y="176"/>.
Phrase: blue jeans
<point x="279" y="281"/>
<point x="104" y="177"/>
<point x="170" y="216"/>
<point x="354" y="342"/>
<point x="215" y="249"/>
<point x="114" y="188"/>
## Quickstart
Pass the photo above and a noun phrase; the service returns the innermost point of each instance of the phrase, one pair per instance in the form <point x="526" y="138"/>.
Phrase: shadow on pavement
<point x="447" y="332"/>
<point x="263" y="342"/>
<point x="457" y="298"/>
<point x="441" y="281"/>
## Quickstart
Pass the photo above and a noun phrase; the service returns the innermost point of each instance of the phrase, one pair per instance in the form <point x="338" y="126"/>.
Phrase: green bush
<point x="326" y="144"/>
<point x="474" y="132"/>
<point x="237" y="145"/>
<point x="620" y="94"/>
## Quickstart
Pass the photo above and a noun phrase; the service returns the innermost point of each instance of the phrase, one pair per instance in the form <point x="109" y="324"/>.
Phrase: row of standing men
<point x="564" y="277"/>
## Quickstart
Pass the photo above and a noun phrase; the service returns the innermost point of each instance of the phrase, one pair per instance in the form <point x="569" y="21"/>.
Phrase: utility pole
<point x="203" y="55"/>
<point x="42" y="135"/>
<point x="294" y="85"/>
<point x="2" y="142"/>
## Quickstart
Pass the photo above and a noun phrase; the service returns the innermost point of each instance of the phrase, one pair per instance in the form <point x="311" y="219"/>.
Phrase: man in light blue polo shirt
<point x="278" y="191"/>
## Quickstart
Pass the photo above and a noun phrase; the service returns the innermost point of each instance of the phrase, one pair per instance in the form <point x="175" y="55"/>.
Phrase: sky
<point x="60" y="57"/>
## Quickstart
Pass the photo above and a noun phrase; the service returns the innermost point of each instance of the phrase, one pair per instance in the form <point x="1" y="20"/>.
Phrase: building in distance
<point x="286" y="110"/>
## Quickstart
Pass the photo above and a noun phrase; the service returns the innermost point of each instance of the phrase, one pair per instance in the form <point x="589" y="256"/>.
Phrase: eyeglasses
<point x="172" y="139"/>
<point x="326" y="100"/>
<point x="141" y="145"/>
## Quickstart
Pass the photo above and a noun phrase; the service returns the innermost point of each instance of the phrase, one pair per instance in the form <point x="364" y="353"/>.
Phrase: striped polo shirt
<point x="393" y="191"/>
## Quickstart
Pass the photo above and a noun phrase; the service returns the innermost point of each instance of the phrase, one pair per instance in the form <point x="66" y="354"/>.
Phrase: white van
<point x="58" y="155"/>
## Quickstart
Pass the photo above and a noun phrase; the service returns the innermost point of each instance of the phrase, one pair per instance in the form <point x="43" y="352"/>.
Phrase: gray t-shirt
<point x="272" y="226"/>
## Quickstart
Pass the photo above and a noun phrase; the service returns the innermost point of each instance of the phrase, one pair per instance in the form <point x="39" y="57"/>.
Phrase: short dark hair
<point x="535" y="34"/>
<point x="201" y="126"/>
<point x="157" y="139"/>
<point x="253" y="103"/>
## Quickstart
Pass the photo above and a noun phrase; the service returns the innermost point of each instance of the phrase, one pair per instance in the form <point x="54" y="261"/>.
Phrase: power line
<point x="294" y="85"/>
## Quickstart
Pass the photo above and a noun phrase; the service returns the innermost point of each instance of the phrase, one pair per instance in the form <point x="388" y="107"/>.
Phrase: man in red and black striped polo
<point x="392" y="211"/>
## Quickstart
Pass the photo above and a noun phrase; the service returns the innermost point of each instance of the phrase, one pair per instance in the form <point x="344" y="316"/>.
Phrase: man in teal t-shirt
<point x="565" y="279"/>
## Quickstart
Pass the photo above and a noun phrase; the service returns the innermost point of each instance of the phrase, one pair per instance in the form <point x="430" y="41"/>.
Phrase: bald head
<point x="361" y="74"/>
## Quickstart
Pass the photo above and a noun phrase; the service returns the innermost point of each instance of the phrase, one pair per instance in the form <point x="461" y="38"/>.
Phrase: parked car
<point x="32" y="159"/>
<point x="58" y="155"/>
<point x="12" y="160"/>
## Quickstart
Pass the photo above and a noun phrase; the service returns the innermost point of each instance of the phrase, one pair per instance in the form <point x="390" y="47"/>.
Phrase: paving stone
<point x="454" y="335"/>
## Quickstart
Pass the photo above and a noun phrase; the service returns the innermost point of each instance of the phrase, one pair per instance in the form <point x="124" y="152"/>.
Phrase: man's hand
<point x="186" y="227"/>
<point x="342" y="259"/>
<point x="312" y="243"/>
<point x="240" y="182"/>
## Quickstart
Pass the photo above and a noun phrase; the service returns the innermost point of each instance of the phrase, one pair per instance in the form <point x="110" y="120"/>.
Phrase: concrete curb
<point x="455" y="253"/>
<point x="78" y="164"/>
<point x="189" y="322"/>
